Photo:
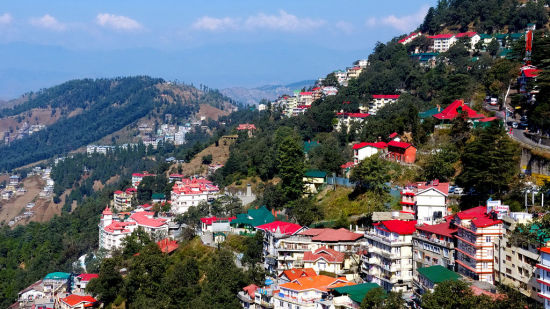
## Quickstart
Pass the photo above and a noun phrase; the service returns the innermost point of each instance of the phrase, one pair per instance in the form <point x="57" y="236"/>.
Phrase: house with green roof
<point x="428" y="277"/>
<point x="352" y="293"/>
<point x="158" y="198"/>
<point x="246" y="223"/>
<point x="314" y="180"/>
<point x="55" y="282"/>
<point x="310" y="145"/>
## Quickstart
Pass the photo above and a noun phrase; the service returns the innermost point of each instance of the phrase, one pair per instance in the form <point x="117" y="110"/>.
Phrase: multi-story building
<point x="354" y="72"/>
<point x="138" y="177"/>
<point x="123" y="199"/>
<point x="389" y="259"/>
<point x="478" y="230"/>
<point x="427" y="200"/>
<point x="348" y="120"/>
<point x="325" y="259"/>
<point x="379" y="101"/>
<point x="472" y="37"/>
<point x="305" y="98"/>
<point x="544" y="276"/>
<point x="306" y="292"/>
<point x="442" y="42"/>
<point x="364" y="150"/>
<point x="427" y="278"/>
<point x="409" y="38"/>
<point x="435" y="245"/>
<point x="190" y="192"/>
<point x="113" y="230"/>
<point x="516" y="260"/>
<point x="277" y="257"/>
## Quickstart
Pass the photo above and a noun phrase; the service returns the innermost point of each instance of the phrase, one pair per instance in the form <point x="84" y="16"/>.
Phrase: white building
<point x="473" y="38"/>
<point x="364" y="150"/>
<point x="305" y="292"/>
<point x="112" y="230"/>
<point x="274" y="233"/>
<point x="428" y="201"/>
<point x="409" y="38"/>
<point x="442" y="42"/>
<point x="379" y="101"/>
<point x="349" y="119"/>
<point x="389" y="259"/>
<point x="190" y="192"/>
<point x="138" y="177"/>
<point x="544" y="278"/>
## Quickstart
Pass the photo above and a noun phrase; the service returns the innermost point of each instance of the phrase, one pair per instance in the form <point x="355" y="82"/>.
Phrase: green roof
<point x="316" y="174"/>
<point x="356" y="292"/>
<point x="308" y="146"/>
<point x="516" y="36"/>
<point x="535" y="229"/>
<point x="57" y="276"/>
<point x="438" y="273"/>
<point x="429" y="113"/>
<point x="485" y="36"/>
<point x="158" y="196"/>
<point x="254" y="217"/>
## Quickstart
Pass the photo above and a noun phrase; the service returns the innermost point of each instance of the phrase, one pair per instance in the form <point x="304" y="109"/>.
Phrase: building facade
<point x="190" y="192"/>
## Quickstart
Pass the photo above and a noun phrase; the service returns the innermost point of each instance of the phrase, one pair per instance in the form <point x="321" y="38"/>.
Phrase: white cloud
<point x="403" y="23"/>
<point x="284" y="22"/>
<point x="215" y="24"/>
<point x="281" y="22"/>
<point x="48" y="22"/>
<point x="5" y="19"/>
<point x="344" y="27"/>
<point x="117" y="22"/>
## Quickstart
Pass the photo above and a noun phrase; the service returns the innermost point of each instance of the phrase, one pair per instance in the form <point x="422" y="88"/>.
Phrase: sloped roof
<point x="408" y="37"/>
<point x="402" y="145"/>
<point x="316" y="174"/>
<point x="397" y="226"/>
<point x="437" y="274"/>
<point x="471" y="213"/>
<point x="254" y="217"/>
<point x="379" y="145"/>
<point x="87" y="277"/>
<point x="57" y="276"/>
<point x="441" y="36"/>
<point x="210" y="220"/>
<point x="485" y="222"/>
<point x="356" y="292"/>
<point x="167" y="245"/>
<point x="442" y="187"/>
<point x="326" y="234"/>
<point x="295" y="273"/>
<point x="250" y="289"/>
<point x="347" y="164"/>
<point x="309" y="145"/>
<point x="327" y="254"/>
<point x="439" y="229"/>
<point x="147" y="218"/>
<point x="452" y="111"/>
<point x="531" y="72"/>
<point x="73" y="299"/>
<point x="282" y="227"/>
<point x="319" y="282"/>
<point x="466" y="34"/>
<point x="386" y="96"/>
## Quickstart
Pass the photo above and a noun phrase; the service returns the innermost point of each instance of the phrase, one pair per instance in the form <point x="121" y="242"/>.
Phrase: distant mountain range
<point x="252" y="96"/>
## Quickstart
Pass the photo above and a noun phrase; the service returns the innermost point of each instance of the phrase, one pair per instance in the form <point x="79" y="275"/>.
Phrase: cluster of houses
<point x="57" y="290"/>
<point x="166" y="133"/>
<point x="410" y="251"/>
<point x="25" y="130"/>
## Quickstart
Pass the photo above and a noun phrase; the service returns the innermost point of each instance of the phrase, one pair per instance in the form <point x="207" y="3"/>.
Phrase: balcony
<point x="386" y="240"/>
<point x="435" y="241"/>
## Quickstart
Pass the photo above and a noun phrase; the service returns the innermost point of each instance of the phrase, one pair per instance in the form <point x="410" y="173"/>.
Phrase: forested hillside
<point x="105" y="106"/>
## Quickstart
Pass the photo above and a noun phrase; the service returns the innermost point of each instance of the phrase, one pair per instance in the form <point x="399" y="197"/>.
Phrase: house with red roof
<point x="167" y="245"/>
<point x="74" y="301"/>
<point x="364" y="150"/>
<point x="455" y="109"/>
<point x="122" y="200"/>
<point x="435" y="245"/>
<point x="388" y="261"/>
<point x="274" y="233"/>
<point x="347" y="120"/>
<point x="190" y="192"/>
<point x="378" y="101"/>
<point x="354" y="72"/>
<point x="426" y="200"/>
<point x="472" y="38"/>
<point x="216" y="224"/>
<point x="401" y="152"/>
<point x="306" y="291"/>
<point x="325" y="259"/>
<point x="82" y="280"/>
<point x="478" y="230"/>
<point x="305" y="98"/>
<point x="292" y="274"/>
<point x="394" y="137"/>
<point x="409" y="38"/>
<point x="248" y="127"/>
<point x="138" y="177"/>
<point x="246" y="296"/>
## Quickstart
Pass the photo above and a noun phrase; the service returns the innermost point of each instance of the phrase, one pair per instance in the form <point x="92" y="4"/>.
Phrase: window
<point x="487" y="238"/>
<point x="508" y="258"/>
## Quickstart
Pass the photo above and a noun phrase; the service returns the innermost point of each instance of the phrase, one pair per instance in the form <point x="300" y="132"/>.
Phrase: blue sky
<point x="216" y="43"/>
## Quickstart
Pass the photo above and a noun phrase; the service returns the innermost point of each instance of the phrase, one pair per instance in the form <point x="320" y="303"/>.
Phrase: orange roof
<point x="329" y="255"/>
<point x="167" y="245"/>
<point x="545" y="250"/>
<point x="73" y="300"/>
<point x="295" y="273"/>
<point x="320" y="283"/>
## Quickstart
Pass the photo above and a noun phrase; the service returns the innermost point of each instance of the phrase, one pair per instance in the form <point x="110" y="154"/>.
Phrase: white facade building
<point x="364" y="150"/>
<point x="190" y="192"/>
<point x="379" y="101"/>
<point x="544" y="278"/>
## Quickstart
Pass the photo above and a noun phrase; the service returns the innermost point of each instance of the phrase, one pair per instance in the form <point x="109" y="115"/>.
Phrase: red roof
<point x="441" y="36"/>
<point x="327" y="234"/>
<point x="118" y="226"/>
<point x="442" y="187"/>
<point x="131" y="190"/>
<point x="488" y="119"/>
<point x="379" y="145"/>
<point x="210" y="220"/>
<point x="485" y="222"/>
<point x="466" y="34"/>
<point x="347" y="165"/>
<point x="144" y="174"/>
<point x="303" y="106"/>
<point x="393" y="135"/>
<point x="408" y="37"/>
<point x="397" y="226"/>
<point x="107" y="210"/>
<point x="354" y="115"/>
<point x="250" y="289"/>
<point x="399" y="144"/>
<point x="545" y="250"/>
<point x="117" y="192"/>
<point x="295" y="273"/>
<point x="471" y="213"/>
<point x="246" y="126"/>
<point x="531" y="73"/>
<point x="451" y="111"/>
<point x="306" y="93"/>
<point x="319" y="282"/>
<point x="438" y="229"/>
<point x="325" y="253"/>
<point x="87" y="277"/>
<point x="167" y="245"/>
<point x="385" y="96"/>
<point x="146" y="218"/>
<point x="74" y="300"/>
<point x="286" y="228"/>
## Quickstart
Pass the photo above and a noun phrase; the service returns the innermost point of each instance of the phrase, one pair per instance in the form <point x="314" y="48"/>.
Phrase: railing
<point x="436" y="241"/>
<point x="386" y="240"/>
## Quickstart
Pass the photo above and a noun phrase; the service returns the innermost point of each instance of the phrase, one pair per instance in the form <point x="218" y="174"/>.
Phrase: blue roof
<point x="57" y="276"/>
